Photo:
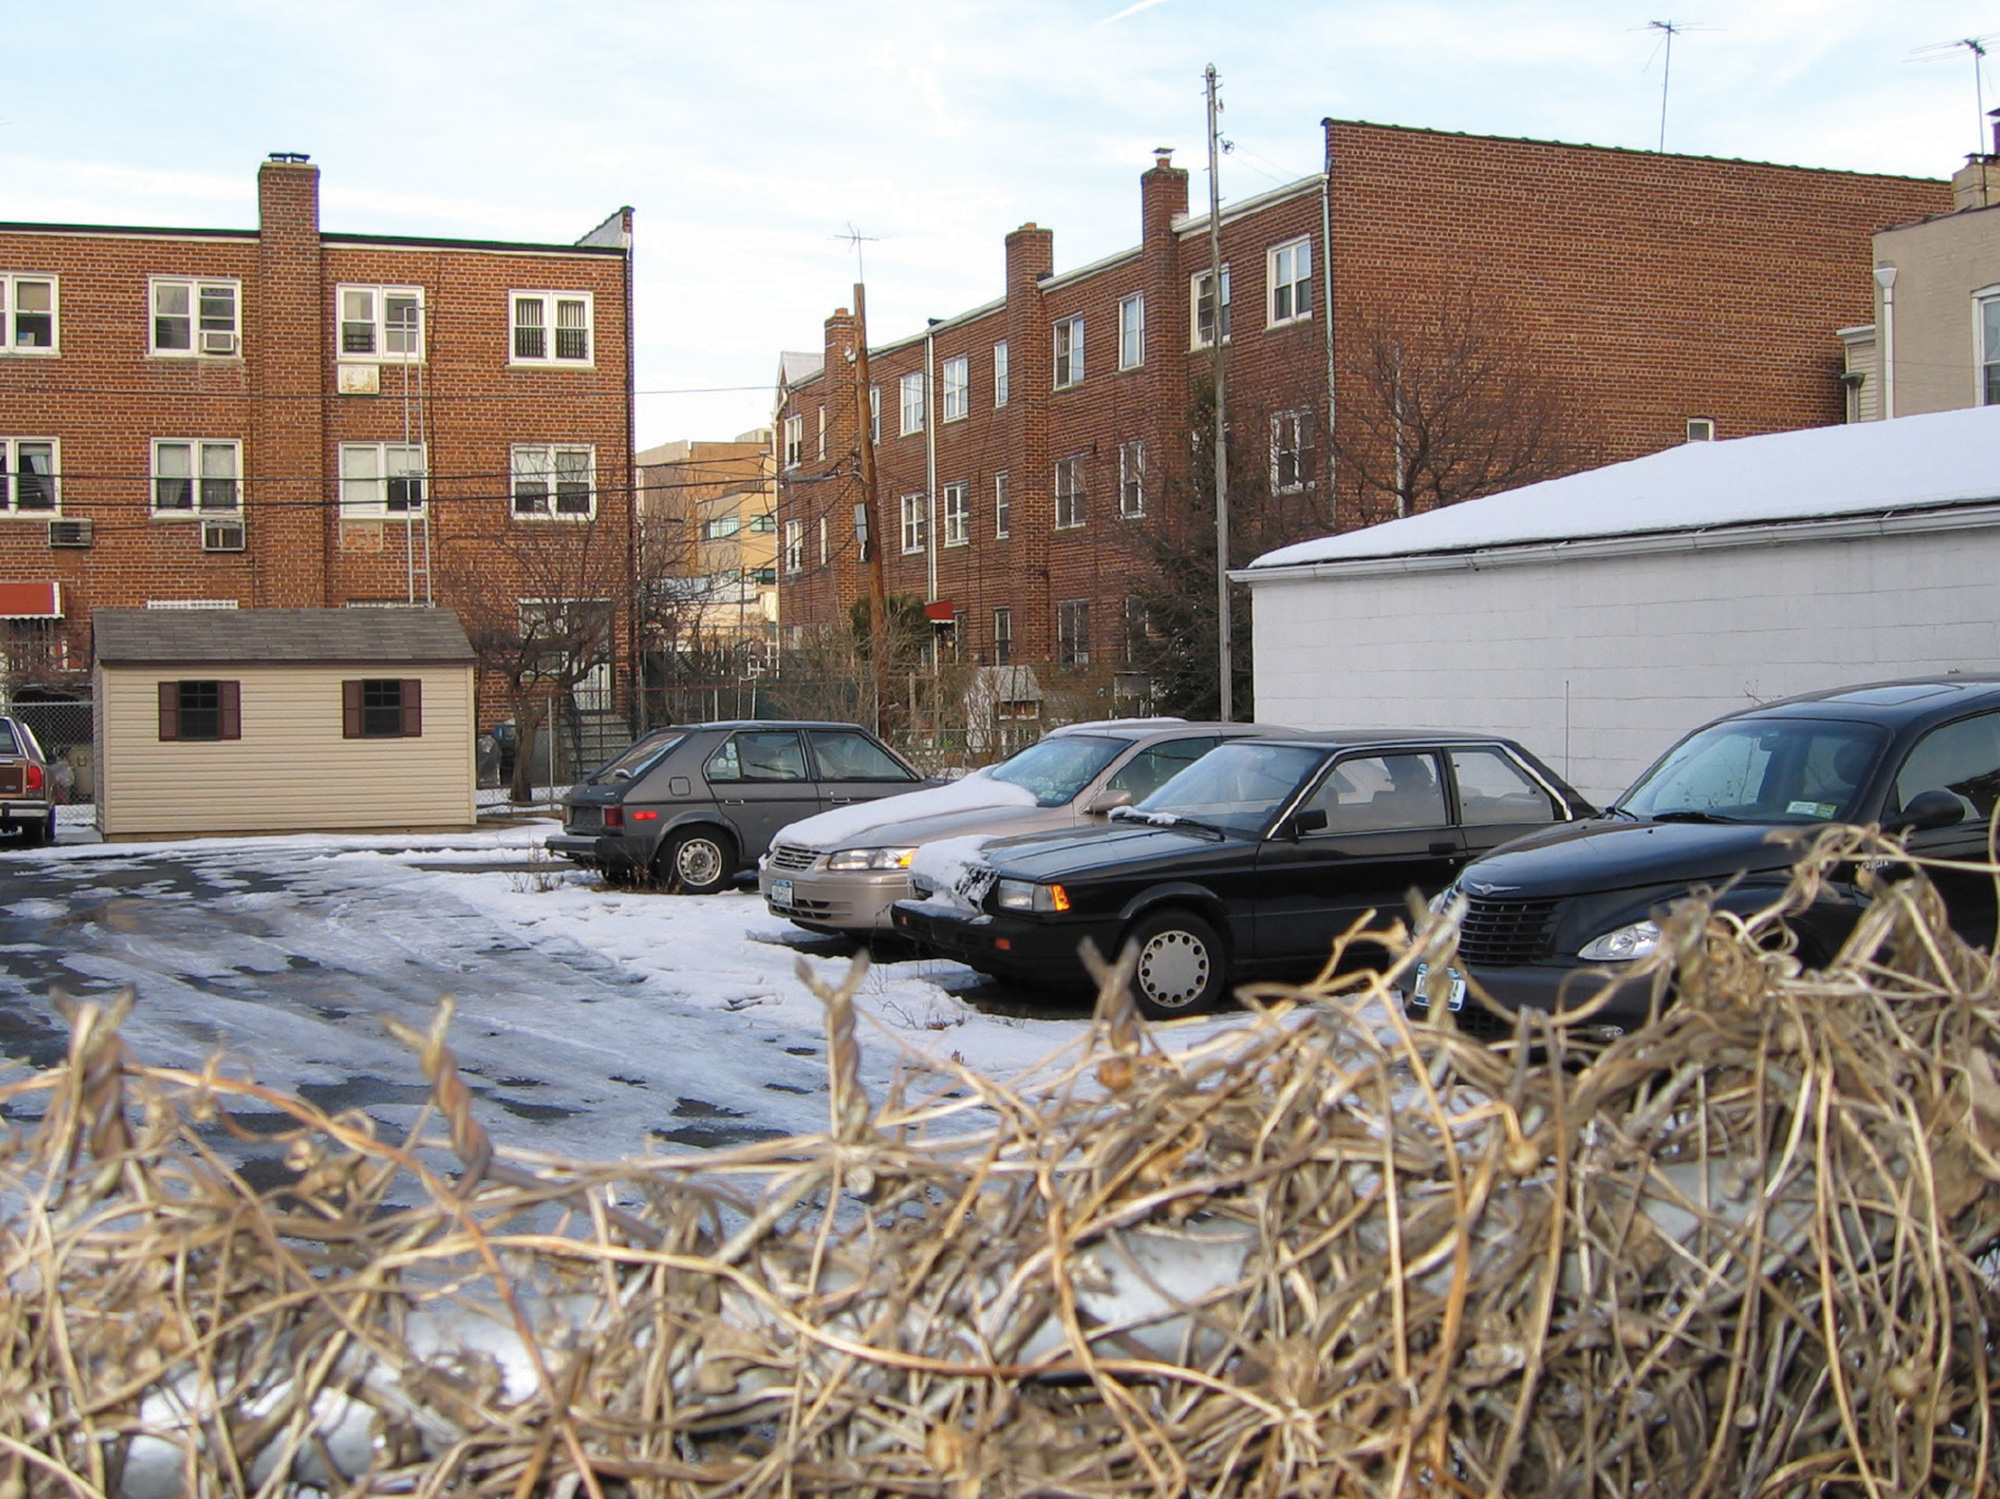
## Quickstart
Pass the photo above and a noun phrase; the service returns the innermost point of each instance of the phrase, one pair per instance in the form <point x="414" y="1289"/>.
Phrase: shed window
<point x="201" y="710"/>
<point x="382" y="708"/>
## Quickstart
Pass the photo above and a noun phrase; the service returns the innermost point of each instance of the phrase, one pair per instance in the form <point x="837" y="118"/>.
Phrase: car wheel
<point x="699" y="861"/>
<point x="45" y="831"/>
<point x="1182" y="968"/>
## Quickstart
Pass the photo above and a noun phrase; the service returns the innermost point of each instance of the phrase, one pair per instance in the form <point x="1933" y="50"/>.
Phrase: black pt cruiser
<point x="1247" y="864"/>
<point x="1550" y="922"/>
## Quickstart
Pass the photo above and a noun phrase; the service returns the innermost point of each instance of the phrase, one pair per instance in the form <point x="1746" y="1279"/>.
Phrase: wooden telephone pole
<point x="869" y="510"/>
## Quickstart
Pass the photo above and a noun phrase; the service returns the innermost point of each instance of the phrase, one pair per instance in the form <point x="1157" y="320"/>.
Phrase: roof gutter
<point x="1978" y="516"/>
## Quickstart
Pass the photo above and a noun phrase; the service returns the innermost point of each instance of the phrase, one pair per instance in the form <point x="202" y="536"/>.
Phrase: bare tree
<point x="1442" y="400"/>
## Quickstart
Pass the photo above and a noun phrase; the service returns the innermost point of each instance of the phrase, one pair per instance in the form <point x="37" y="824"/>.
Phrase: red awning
<point x="31" y="600"/>
<point x="942" y="612"/>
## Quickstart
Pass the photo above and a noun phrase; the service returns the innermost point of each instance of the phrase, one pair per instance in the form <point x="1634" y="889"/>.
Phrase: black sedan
<point x="1247" y="864"/>
<point x="1552" y="922"/>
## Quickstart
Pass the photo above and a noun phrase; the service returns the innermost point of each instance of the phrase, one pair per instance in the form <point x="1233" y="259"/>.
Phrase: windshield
<point x="1761" y="770"/>
<point x="1056" y="769"/>
<point x="637" y="758"/>
<point x="1236" y="787"/>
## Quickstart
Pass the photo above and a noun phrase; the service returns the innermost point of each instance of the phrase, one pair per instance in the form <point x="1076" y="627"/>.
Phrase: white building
<point x="1597" y="618"/>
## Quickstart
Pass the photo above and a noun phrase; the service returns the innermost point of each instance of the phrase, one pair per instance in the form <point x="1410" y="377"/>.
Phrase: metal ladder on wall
<point x="417" y="522"/>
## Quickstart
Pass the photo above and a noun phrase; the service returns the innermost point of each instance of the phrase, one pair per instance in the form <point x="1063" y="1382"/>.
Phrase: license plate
<point x="1454" y="1000"/>
<point x="781" y="892"/>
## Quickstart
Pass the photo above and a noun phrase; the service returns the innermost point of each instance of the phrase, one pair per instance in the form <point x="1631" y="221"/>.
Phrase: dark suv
<point x="1551" y="919"/>
<point x="693" y="805"/>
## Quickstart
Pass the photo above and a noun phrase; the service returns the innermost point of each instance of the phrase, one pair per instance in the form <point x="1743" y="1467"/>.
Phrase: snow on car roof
<point x="1939" y="460"/>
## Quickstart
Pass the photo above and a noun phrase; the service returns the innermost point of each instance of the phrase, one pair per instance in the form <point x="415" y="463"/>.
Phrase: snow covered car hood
<point x="974" y="804"/>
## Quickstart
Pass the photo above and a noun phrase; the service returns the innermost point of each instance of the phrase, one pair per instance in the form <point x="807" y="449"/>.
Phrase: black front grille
<point x="1502" y="933"/>
<point x="1472" y="1019"/>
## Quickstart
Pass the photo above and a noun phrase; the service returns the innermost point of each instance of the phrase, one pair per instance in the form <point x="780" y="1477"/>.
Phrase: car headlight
<point x="871" y="858"/>
<point x="1639" y="940"/>
<point x="1026" y="895"/>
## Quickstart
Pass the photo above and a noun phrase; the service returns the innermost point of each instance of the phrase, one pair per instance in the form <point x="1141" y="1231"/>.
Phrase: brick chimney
<point x="289" y="504"/>
<point x="1163" y="196"/>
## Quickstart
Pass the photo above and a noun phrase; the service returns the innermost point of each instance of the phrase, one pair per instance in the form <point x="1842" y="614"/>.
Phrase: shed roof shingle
<point x="277" y="636"/>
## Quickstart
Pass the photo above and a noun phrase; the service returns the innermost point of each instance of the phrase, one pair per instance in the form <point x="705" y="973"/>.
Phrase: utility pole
<point x="1224" y="663"/>
<point x="878" y="593"/>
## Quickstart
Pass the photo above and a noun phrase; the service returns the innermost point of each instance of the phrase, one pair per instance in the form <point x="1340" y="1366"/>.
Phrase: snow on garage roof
<point x="1946" y="459"/>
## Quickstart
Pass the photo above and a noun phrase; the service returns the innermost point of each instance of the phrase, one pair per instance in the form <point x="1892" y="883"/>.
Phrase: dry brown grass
<point x="1326" y="1252"/>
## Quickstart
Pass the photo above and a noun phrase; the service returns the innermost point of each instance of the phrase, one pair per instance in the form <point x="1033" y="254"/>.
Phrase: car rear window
<point x="636" y="759"/>
<point x="9" y="745"/>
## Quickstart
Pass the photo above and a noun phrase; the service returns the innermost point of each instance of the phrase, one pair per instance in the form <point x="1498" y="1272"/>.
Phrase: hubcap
<point x="1173" y="969"/>
<point x="699" y="862"/>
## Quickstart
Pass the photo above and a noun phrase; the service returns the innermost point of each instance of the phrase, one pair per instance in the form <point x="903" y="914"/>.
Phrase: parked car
<point x="1550" y="921"/>
<point x="844" y="870"/>
<point x="1245" y="865"/>
<point x="693" y="805"/>
<point x="27" y="786"/>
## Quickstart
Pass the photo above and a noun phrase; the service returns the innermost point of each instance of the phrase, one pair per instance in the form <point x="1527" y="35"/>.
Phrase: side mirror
<point x="1106" y="802"/>
<point x="1309" y="820"/>
<point x="1927" y="809"/>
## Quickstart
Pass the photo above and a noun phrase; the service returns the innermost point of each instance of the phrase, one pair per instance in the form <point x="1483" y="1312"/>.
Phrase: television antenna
<point x="1976" y="46"/>
<point x="1668" y="31"/>
<point x="857" y="239"/>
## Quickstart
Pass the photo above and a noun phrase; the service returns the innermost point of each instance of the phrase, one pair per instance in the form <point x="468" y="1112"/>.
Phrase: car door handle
<point x="732" y="801"/>
<point x="841" y="801"/>
<point x="1444" y="848"/>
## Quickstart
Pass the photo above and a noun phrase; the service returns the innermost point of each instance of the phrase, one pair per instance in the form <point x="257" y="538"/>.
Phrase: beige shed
<point x="282" y="720"/>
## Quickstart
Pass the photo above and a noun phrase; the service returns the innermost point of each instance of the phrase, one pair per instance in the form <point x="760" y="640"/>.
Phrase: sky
<point x="754" y="137"/>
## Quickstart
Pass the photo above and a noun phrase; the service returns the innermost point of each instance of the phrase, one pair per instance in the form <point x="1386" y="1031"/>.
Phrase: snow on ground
<point x="592" y="1022"/>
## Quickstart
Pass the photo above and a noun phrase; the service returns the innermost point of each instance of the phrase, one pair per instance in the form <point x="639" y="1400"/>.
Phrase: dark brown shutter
<point x="350" y="705"/>
<point x="231" y="694"/>
<point x="413" y="708"/>
<point x="170" y="710"/>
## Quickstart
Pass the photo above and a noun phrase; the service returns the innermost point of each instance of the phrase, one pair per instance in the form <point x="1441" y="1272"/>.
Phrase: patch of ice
<point x="38" y="910"/>
<point x="953" y="871"/>
<point x="840" y="827"/>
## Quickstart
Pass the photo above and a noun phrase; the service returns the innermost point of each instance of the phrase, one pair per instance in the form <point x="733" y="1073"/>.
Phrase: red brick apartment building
<point x="1023" y="443"/>
<point x="285" y="417"/>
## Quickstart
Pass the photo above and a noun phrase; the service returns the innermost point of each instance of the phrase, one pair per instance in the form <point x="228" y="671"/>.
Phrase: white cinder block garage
<point x="1597" y="618"/>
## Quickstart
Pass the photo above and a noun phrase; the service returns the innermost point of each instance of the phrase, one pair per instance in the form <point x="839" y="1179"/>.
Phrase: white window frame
<point x="378" y="351"/>
<point x="1003" y="507"/>
<point x="354" y="504"/>
<point x="1985" y="351"/>
<point x="957" y="397"/>
<point x="1068" y="337"/>
<point x="795" y="439"/>
<point x="1073" y="632"/>
<point x="1195" y="340"/>
<point x="795" y="545"/>
<point x="914" y="519"/>
<point x="957" y="516"/>
<point x="1003" y="635"/>
<point x="546" y="460"/>
<point x="910" y="403"/>
<point x="822" y="431"/>
<point x="552" y="329"/>
<point x="874" y="413"/>
<point x="824" y="548"/>
<point x="10" y="481"/>
<point x="1290" y="434"/>
<point x="10" y="289"/>
<point x="1000" y="375"/>
<point x="198" y="479"/>
<point x="1132" y="331"/>
<point x="1132" y="480"/>
<point x="204" y="341"/>
<point x="1069" y="493"/>
<point x="721" y="527"/>
<point x="1290" y="294"/>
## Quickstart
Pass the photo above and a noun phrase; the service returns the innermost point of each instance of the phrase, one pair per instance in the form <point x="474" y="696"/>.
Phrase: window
<point x="1291" y="451"/>
<point x="550" y="327"/>
<point x="28" y="474"/>
<point x="1138" y="628"/>
<point x="1962" y="758"/>
<point x="1003" y="507"/>
<point x="382" y="708"/>
<point x="381" y="479"/>
<point x="767" y="755"/>
<point x="850" y="755"/>
<point x="1381" y="793"/>
<point x="763" y="524"/>
<point x="999" y="375"/>
<point x="1003" y="636"/>
<point x="196" y="318"/>
<point x="912" y="403"/>
<point x="201" y="710"/>
<point x="28" y="314"/>
<point x="822" y="431"/>
<point x="957" y="388"/>
<point x="1495" y="792"/>
<point x="191" y="475"/>
<point x="1989" y="350"/>
<point x="1073" y="633"/>
<point x="957" y="516"/>
<point x="553" y="483"/>
<point x="795" y="437"/>
<point x="795" y="545"/>
<point x="1131" y="479"/>
<point x="913" y="523"/>
<point x="760" y="575"/>
<point x="1069" y="493"/>
<point x="1157" y="764"/>
<point x="1201" y="298"/>
<point x="1069" y="353"/>
<point x="1288" y="270"/>
<point x="1132" y="331"/>
<point x="1700" y="429"/>
<point x="874" y="413"/>
<point x="823" y="548"/>
<point x="381" y="322"/>
<point x="721" y="528"/>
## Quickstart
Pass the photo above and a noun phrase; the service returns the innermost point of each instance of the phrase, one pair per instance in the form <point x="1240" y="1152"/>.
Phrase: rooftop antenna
<point x="857" y="239"/>
<point x="1669" y="30"/>
<point x="1976" y="45"/>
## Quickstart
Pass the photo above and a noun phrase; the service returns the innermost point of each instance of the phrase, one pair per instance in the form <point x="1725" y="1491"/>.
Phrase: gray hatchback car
<point x="692" y="805"/>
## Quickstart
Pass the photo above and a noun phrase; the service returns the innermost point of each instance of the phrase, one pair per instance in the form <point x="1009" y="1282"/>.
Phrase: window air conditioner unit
<point x="69" y="533"/>
<point x="222" y="536"/>
<point x="218" y="343"/>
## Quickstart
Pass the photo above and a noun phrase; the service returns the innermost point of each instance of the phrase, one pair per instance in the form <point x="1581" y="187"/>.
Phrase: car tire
<point x="45" y="831"/>
<point x="1182" y="969"/>
<point x="698" y="861"/>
